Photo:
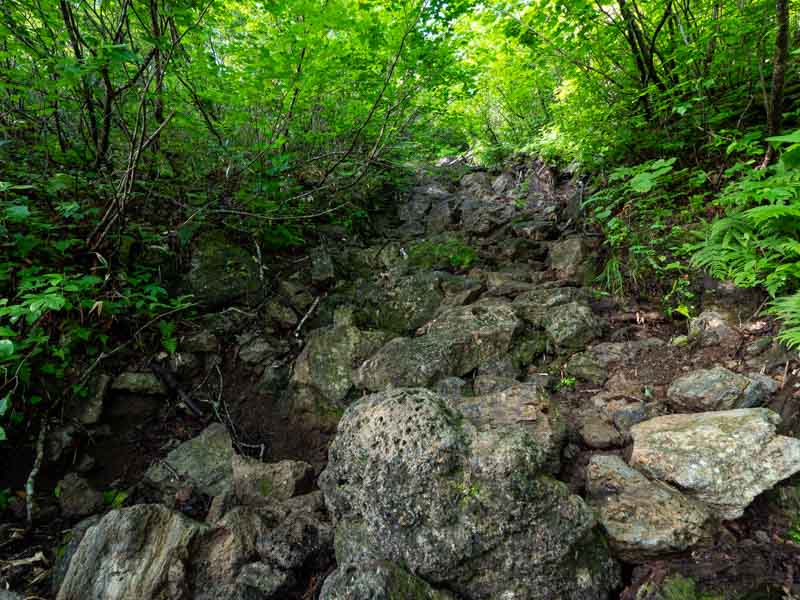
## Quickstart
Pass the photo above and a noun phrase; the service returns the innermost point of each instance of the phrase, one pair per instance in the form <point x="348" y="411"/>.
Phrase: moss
<point x="677" y="587"/>
<point x="265" y="487"/>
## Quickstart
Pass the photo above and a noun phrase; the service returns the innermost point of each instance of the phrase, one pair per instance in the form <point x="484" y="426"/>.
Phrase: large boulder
<point x="410" y="481"/>
<point x="644" y="519"/>
<point x="137" y="553"/>
<point x="221" y="272"/>
<point x="203" y="462"/>
<point x="148" y="552"/>
<point x="712" y="328"/>
<point x="723" y="459"/>
<point x="535" y="306"/>
<point x="481" y="216"/>
<point x="719" y="389"/>
<point x="456" y="342"/>
<point x="570" y="259"/>
<point x="523" y="404"/>
<point x="377" y="580"/>
<point x="572" y="326"/>
<point x="330" y="355"/>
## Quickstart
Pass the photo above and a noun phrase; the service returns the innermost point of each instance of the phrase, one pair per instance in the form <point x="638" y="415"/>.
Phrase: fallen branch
<point x="30" y="485"/>
<point x="305" y="317"/>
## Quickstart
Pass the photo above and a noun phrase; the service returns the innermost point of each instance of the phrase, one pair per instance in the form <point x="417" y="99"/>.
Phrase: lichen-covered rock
<point x="377" y="580"/>
<point x="457" y="342"/>
<point x="480" y="216"/>
<point x="204" y="462"/>
<point x="77" y="498"/>
<point x="572" y="326"/>
<point x="524" y="404"/>
<point x="409" y="480"/>
<point x="255" y="482"/>
<point x="410" y="303"/>
<point x="535" y="306"/>
<point x="222" y="273"/>
<point x="322" y="270"/>
<point x="644" y="519"/>
<point x="723" y="459"/>
<point x="138" y="383"/>
<point x="719" y="389"/>
<point x="137" y="553"/>
<point x="330" y="355"/>
<point x="711" y="328"/>
<point x="569" y="259"/>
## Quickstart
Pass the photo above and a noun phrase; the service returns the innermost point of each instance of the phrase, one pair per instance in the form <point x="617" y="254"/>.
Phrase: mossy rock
<point x="221" y="272"/>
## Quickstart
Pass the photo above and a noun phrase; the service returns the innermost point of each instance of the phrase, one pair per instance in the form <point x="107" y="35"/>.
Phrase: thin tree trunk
<point x="775" y="104"/>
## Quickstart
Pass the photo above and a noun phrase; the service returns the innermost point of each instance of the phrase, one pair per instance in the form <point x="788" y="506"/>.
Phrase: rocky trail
<point x="444" y="409"/>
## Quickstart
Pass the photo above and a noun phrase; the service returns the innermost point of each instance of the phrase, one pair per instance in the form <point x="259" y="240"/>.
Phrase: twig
<point x="30" y="486"/>
<point x="305" y="317"/>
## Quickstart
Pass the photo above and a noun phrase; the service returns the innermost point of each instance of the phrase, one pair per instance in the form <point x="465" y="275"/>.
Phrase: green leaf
<point x="17" y="213"/>
<point x="5" y="403"/>
<point x="792" y="138"/>
<point x="6" y="349"/>
<point x="2" y="434"/>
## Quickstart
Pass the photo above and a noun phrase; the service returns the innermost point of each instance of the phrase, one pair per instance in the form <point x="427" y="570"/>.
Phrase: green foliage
<point x="677" y="587"/>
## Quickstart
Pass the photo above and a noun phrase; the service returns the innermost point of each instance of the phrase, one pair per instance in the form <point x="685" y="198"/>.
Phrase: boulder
<point x="139" y="383"/>
<point x="77" y="498"/>
<point x="599" y="433"/>
<point x="481" y="216"/>
<point x="322" y="270"/>
<point x="280" y="316"/>
<point x="456" y="342"/>
<point x="137" y="553"/>
<point x="572" y="326"/>
<point x="330" y="355"/>
<point x="255" y="482"/>
<point x="440" y="216"/>
<point x="711" y="328"/>
<point x="88" y="410"/>
<point x="535" y="306"/>
<point x="644" y="519"/>
<point x="719" y="389"/>
<point x="377" y="580"/>
<point x="222" y="273"/>
<point x="258" y="350"/>
<point x="723" y="459"/>
<point x="200" y="342"/>
<point x="526" y="405"/>
<point x="569" y="259"/>
<point x="410" y="481"/>
<point x="204" y="462"/>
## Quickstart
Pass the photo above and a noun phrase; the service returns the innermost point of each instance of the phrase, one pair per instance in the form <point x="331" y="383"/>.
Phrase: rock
<point x="377" y="580"/>
<point x="535" y="306"/>
<point x="222" y="273"/>
<point x="412" y="482"/>
<point x="200" y="342"/>
<point x="279" y="315"/>
<point x="644" y="519"/>
<point x="712" y="329"/>
<point x="184" y="364"/>
<point x="719" y="389"/>
<point x="255" y="482"/>
<point x="481" y="217"/>
<point x="322" y="271"/>
<point x="450" y="387"/>
<point x="204" y="462"/>
<point x="585" y="366"/>
<point x="598" y="433"/>
<point x="136" y="553"/>
<point x="723" y="459"/>
<point x="60" y="439"/>
<point x="569" y="259"/>
<point x="572" y="326"/>
<point x="139" y="383"/>
<point x="457" y="342"/>
<point x="487" y="384"/>
<point x="89" y="409"/>
<point x="757" y="347"/>
<point x="535" y="230"/>
<point x="77" y="498"/>
<point x="8" y="595"/>
<point x="330" y="355"/>
<point x="258" y="350"/>
<point x="410" y="303"/>
<point x="523" y="404"/>
<point x="440" y="216"/>
<point x="296" y="295"/>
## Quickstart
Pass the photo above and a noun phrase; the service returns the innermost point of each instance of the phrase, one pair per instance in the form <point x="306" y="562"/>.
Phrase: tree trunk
<point x="775" y="104"/>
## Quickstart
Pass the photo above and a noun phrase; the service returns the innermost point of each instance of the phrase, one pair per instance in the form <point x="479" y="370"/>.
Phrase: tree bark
<point x="779" y="60"/>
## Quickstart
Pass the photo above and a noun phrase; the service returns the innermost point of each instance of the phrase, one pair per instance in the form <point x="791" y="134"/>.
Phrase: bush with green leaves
<point x="757" y="242"/>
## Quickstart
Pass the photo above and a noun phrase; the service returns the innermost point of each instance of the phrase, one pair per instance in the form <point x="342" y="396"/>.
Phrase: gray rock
<point x="572" y="326"/>
<point x="600" y="433"/>
<point x="77" y="498"/>
<point x="139" y="383"/>
<point x="487" y="384"/>
<point x="451" y="387"/>
<point x="59" y="439"/>
<point x="713" y="329"/>
<point x="204" y="462"/>
<point x="377" y="580"/>
<point x="644" y="519"/>
<point x="440" y="217"/>
<point x="296" y="295"/>
<point x="526" y="405"/>
<point x="201" y="342"/>
<point x="67" y="551"/>
<point x="136" y="553"/>
<point x="586" y="366"/>
<point x="456" y="342"/>
<point x="410" y="481"/>
<point x="723" y="459"/>
<point x="330" y="355"/>
<point x="7" y="595"/>
<point x="258" y="350"/>
<point x="719" y="389"/>
<point x="569" y="259"/>
<point x="279" y="315"/>
<point x="322" y="270"/>
<point x="535" y="306"/>
<point x="222" y="273"/>
<point x="535" y="230"/>
<point x="410" y="303"/>
<point x="255" y="482"/>
<point x="481" y="216"/>
<point x="88" y="410"/>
